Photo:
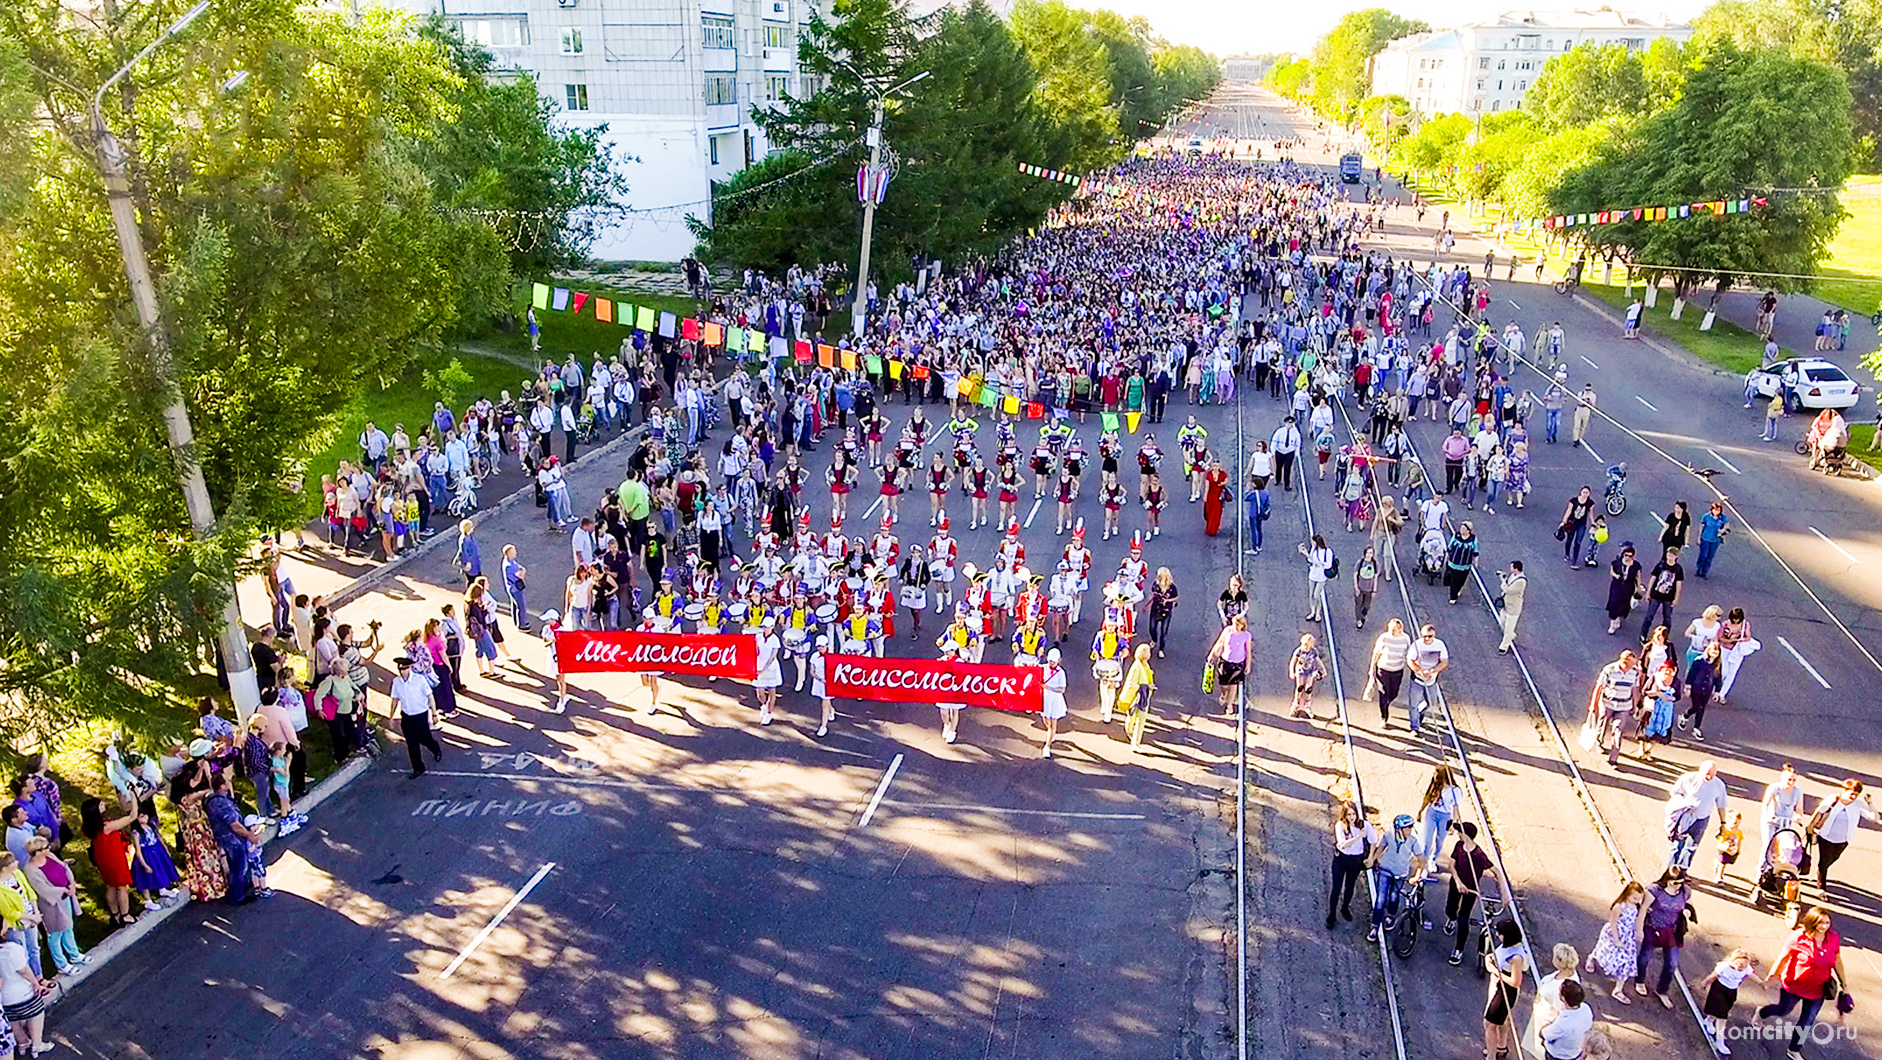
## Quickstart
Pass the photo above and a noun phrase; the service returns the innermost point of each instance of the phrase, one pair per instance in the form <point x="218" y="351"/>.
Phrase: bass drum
<point x="1108" y="671"/>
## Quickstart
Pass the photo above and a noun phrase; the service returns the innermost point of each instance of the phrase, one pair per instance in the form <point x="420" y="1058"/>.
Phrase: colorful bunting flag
<point x="895" y="369"/>
<point x="800" y="350"/>
<point x="849" y="360"/>
<point x="1132" y="419"/>
<point x="967" y="388"/>
<point x="1012" y="405"/>
<point x="539" y="295"/>
<point x="581" y="299"/>
<point x="826" y="355"/>
<point x="987" y="396"/>
<point x="873" y="365"/>
<point x="754" y="340"/>
<point x="668" y="323"/>
<point x="689" y="329"/>
<point x="644" y="318"/>
<point x="1108" y="420"/>
<point x="624" y="313"/>
<point x="1035" y="410"/>
<point x="715" y="333"/>
<point x="560" y="299"/>
<point x="604" y="310"/>
<point x="920" y="371"/>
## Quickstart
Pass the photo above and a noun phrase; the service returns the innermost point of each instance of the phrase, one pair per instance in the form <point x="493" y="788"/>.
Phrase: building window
<point x="1499" y="64"/>
<point x="571" y="40"/>
<point x="1495" y="105"/>
<point x="1483" y="64"/>
<point x="575" y="96"/>
<point x="779" y="37"/>
<point x="776" y="87"/>
<point x="721" y="90"/>
<point x="716" y="32"/>
<point x="495" y="32"/>
<point x="1476" y="104"/>
<point x="713" y="143"/>
<point x="1499" y="86"/>
<point x="1480" y="84"/>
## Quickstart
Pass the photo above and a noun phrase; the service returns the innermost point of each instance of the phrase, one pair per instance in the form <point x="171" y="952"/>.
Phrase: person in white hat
<point x="819" y="689"/>
<point x="1054" y="698"/>
<point x="551" y="625"/>
<point x="950" y="712"/>
<point x="770" y="673"/>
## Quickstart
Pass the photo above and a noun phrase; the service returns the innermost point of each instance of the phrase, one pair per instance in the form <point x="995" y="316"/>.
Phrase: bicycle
<point x="1567" y="284"/>
<point x="1615" y="499"/>
<point x="1401" y="929"/>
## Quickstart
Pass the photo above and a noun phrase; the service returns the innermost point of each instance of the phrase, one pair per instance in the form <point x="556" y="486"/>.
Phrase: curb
<point x="124" y="938"/>
<point x="1681" y="355"/>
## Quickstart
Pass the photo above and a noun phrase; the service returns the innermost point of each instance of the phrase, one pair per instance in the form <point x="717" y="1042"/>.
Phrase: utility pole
<point x="859" y="305"/>
<point x="176" y="418"/>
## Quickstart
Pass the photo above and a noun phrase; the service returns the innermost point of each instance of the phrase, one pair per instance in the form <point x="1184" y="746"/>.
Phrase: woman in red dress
<point x="1217" y="482"/>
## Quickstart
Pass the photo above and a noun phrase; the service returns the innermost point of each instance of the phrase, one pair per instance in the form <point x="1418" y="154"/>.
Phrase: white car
<point x="1806" y="382"/>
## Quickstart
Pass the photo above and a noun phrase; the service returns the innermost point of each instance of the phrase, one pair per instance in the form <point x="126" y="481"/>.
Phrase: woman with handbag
<point x="1228" y="659"/>
<point x="1809" y="973"/>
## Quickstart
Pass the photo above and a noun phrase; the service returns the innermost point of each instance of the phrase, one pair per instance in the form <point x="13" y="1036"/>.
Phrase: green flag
<point x="873" y="364"/>
<point x="644" y="318"/>
<point x="540" y="295"/>
<point x="1108" y="420"/>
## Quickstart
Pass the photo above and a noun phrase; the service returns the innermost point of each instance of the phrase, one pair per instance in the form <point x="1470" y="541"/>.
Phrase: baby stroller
<point x="1786" y="861"/>
<point x="1431" y="555"/>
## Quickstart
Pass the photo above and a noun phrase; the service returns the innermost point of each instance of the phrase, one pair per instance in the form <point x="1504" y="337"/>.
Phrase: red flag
<point x="581" y="652"/>
<point x="689" y="329"/>
<point x="801" y="350"/>
<point x="1035" y="410"/>
<point x="580" y="301"/>
<point x="892" y="680"/>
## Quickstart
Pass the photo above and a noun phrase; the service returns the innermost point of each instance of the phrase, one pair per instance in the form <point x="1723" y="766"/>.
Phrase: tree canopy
<point x="1336" y="78"/>
<point x="1720" y="140"/>
<point x="1846" y="34"/>
<point x="302" y="248"/>
<point x="1058" y="87"/>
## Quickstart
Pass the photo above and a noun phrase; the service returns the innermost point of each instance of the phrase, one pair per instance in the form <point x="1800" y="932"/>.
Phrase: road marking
<point x="867" y="512"/>
<point x="1647" y="403"/>
<point x="1590" y="448"/>
<point x="1037" y="501"/>
<point x="510" y="907"/>
<point x="1074" y="815"/>
<point x="1590" y="363"/>
<point x="1512" y="302"/>
<point x="881" y="789"/>
<point x="1722" y="460"/>
<point x="1834" y="545"/>
<point x="1803" y="662"/>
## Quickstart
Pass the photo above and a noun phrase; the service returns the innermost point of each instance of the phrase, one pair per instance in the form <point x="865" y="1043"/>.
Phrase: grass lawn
<point x="1726" y="345"/>
<point x="1856" y="252"/>
<point x="1861" y="436"/>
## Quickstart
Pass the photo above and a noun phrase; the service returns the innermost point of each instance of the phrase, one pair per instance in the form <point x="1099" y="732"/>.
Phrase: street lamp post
<point x="176" y="419"/>
<point x="859" y="305"/>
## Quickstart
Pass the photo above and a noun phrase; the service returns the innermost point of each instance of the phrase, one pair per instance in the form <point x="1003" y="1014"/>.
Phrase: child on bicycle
<point x="1395" y="863"/>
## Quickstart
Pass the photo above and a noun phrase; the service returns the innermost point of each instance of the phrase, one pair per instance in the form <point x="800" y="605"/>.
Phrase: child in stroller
<point x="1431" y="555"/>
<point x="1785" y="862"/>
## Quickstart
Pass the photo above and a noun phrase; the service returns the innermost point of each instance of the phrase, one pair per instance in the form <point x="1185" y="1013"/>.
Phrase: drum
<point x="796" y="641"/>
<point x="914" y="599"/>
<point x="813" y="586"/>
<point x="1108" y="671"/>
<point x="826" y="614"/>
<point x="694" y="612"/>
<point x="647" y="612"/>
<point x="738" y="611"/>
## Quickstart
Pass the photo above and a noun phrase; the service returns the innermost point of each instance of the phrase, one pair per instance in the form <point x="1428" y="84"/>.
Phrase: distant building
<point x="1246" y="69"/>
<point x="1487" y="67"/>
<point x="675" y="81"/>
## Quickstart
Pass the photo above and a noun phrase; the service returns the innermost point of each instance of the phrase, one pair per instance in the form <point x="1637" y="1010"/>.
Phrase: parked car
<point x="1806" y="383"/>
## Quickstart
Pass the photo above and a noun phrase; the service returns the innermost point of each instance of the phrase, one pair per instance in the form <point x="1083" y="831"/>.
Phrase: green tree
<point x="1074" y="83"/>
<point x="1846" y="34"/>
<point x="503" y="158"/>
<point x="1340" y="75"/>
<point x="1291" y="78"/>
<point x="1589" y="84"/>
<point x="299" y="251"/>
<point x="1721" y="140"/>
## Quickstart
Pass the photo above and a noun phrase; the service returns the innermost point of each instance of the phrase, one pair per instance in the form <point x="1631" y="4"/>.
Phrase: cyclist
<point x="1470" y="866"/>
<point x="1396" y="863"/>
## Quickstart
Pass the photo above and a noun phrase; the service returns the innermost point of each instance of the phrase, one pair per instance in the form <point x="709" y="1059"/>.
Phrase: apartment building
<point x="1487" y="67"/>
<point x="674" y="81"/>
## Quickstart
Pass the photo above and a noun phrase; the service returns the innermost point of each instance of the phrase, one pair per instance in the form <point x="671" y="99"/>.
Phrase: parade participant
<point x="770" y="672"/>
<point x="1060" y="591"/>
<point x="1054" y="699"/>
<point x="1133" y="574"/>
<point x="835" y="547"/>
<point x="842" y="479"/>
<point x="894" y="476"/>
<point x="798" y="625"/>
<point x="1192" y="438"/>
<point x="1149" y="456"/>
<point x="1154" y="500"/>
<point x="858" y="631"/>
<point x="1140" y="685"/>
<point x="1029" y="643"/>
<point x="880" y="600"/>
<point x="875" y="425"/>
<point x="819" y="689"/>
<point x="915" y="576"/>
<point x="950" y="712"/>
<point x="974" y="483"/>
<point x="1080" y="559"/>
<point x="1043" y="463"/>
<point x="1111" y="496"/>
<point x="975" y="608"/>
<point x="943" y="552"/>
<point x="1003" y="585"/>
<point x="551" y="625"/>
<point x="939" y="478"/>
<point x="1074" y="462"/>
<point x="1216" y="480"/>
<point x="1009" y="493"/>
<point x="1030" y="604"/>
<point x="1110" y="649"/>
<point x="1067" y="492"/>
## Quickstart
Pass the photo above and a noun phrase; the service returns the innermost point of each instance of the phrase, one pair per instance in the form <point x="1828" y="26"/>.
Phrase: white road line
<point x="1803" y="662"/>
<point x="1037" y="501"/>
<point x="1512" y="302"/>
<point x="1834" y="545"/>
<point x="873" y="505"/>
<point x="1647" y="403"/>
<point x="510" y="907"/>
<point x="881" y="789"/>
<point x="1728" y="464"/>
<point x="1590" y="363"/>
<point x="1590" y="448"/>
<point x="1077" y="816"/>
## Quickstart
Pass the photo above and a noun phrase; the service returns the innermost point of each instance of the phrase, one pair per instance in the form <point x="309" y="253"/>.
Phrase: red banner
<point x="933" y="681"/>
<point x="673" y="653"/>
